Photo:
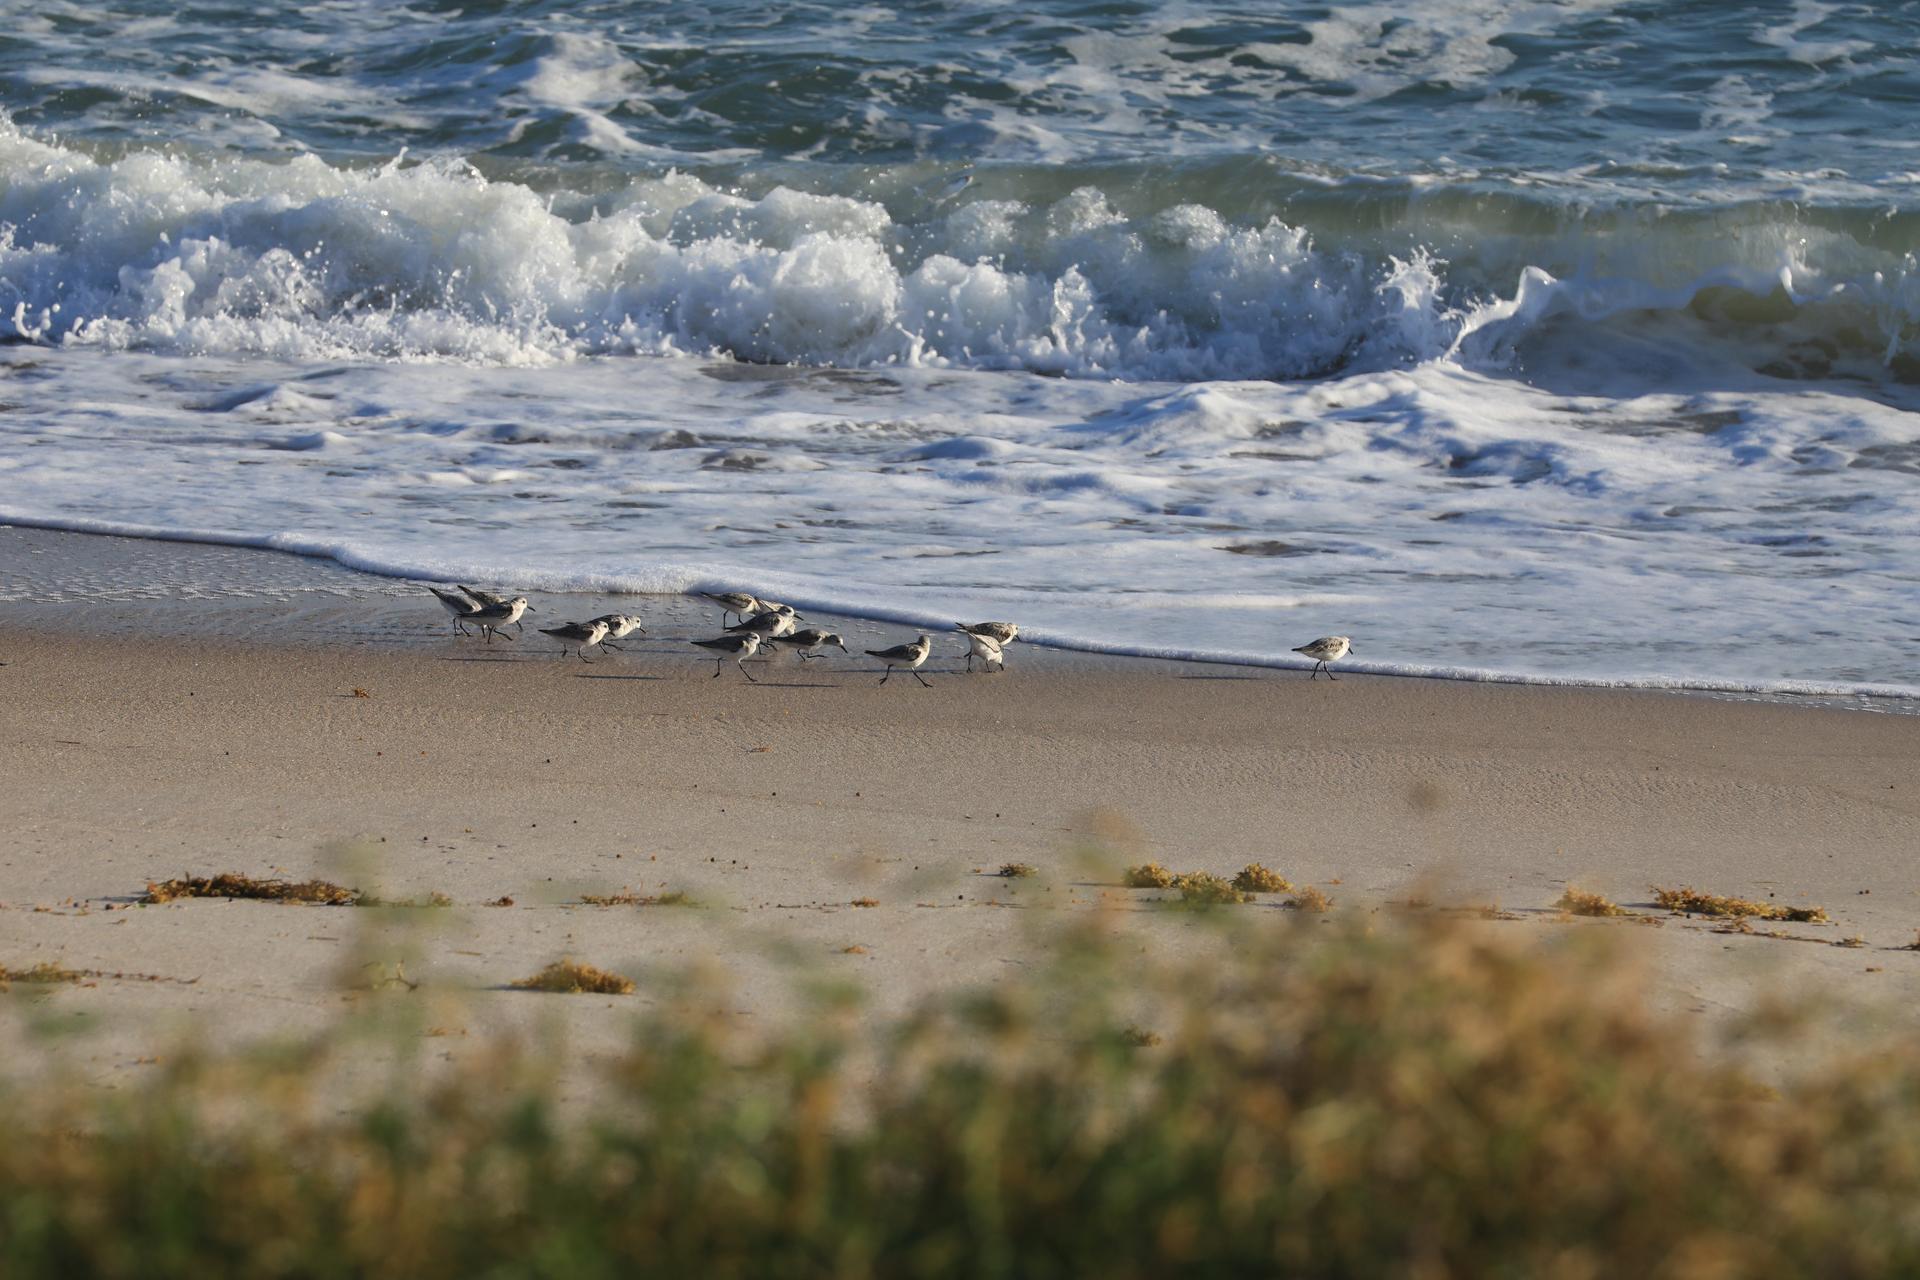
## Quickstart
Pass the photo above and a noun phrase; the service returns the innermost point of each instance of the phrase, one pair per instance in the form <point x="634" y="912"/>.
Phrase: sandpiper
<point x="619" y="627"/>
<point x="987" y="649"/>
<point x="486" y="599"/>
<point x="491" y="617"/>
<point x="810" y="642"/>
<point x="582" y="636"/>
<point x="768" y="626"/>
<point x="742" y="645"/>
<point x="458" y="606"/>
<point x="1324" y="650"/>
<point x="1001" y="633"/>
<point x="909" y="656"/>
<point x="737" y="603"/>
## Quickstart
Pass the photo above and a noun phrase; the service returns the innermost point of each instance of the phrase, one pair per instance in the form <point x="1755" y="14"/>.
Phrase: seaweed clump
<point x="231" y="884"/>
<point x="569" y="977"/>
<point x="1149" y="875"/>
<point x="1254" y="878"/>
<point x="1583" y="902"/>
<point x="1693" y="902"/>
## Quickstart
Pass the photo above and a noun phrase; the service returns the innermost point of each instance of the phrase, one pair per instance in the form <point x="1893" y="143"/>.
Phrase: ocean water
<point x="1568" y="341"/>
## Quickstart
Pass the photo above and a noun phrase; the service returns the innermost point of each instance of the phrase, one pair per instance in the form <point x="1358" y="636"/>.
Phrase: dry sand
<point x="488" y="772"/>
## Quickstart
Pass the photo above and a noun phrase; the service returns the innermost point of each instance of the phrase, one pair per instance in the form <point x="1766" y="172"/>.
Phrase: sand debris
<point x="569" y="977"/>
<point x="1693" y="902"/>
<point x="231" y="884"/>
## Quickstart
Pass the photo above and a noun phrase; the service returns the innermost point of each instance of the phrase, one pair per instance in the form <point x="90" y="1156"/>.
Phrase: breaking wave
<point x="1223" y="269"/>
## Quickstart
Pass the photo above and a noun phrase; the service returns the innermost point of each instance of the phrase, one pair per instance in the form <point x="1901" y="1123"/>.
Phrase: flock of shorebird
<point x="761" y="623"/>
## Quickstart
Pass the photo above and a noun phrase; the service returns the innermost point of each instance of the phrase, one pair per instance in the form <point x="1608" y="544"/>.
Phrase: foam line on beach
<point x="811" y="595"/>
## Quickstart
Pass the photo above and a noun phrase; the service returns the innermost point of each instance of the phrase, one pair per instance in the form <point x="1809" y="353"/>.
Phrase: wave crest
<point x="307" y="260"/>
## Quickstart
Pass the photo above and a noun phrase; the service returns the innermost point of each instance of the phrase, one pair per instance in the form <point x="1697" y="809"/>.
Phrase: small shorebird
<point x="768" y="626"/>
<point x="738" y="603"/>
<point x="742" y="645"/>
<point x="1324" y="650"/>
<point x="986" y="648"/>
<point x="581" y="635"/>
<point x="491" y="617"/>
<point x="458" y="606"/>
<point x="619" y="627"/>
<point x="810" y="642"/>
<point x="909" y="656"/>
<point x="1001" y="633"/>
<point x="486" y="599"/>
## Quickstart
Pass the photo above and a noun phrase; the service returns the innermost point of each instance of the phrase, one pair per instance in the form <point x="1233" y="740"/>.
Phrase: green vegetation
<point x="1149" y="875"/>
<point x="435" y="899"/>
<point x="1017" y="870"/>
<point x="1405" y="1095"/>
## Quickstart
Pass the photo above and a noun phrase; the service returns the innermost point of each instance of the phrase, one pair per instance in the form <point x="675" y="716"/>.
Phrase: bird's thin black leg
<point x="743" y="671"/>
<point x="883" y="679"/>
<point x="922" y="679"/>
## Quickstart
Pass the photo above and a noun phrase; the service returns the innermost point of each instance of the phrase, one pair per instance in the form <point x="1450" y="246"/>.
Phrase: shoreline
<point x="90" y="546"/>
<point x="498" y="773"/>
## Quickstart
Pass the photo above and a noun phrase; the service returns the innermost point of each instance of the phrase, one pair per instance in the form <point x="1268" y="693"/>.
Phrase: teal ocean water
<point x="1566" y="340"/>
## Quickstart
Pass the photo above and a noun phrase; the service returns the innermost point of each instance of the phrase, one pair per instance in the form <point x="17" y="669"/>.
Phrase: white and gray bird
<point x="738" y="603"/>
<point x="619" y="627"/>
<point x="1324" y="650"/>
<point x="742" y="645"/>
<point x="491" y="617"/>
<point x="459" y="606"/>
<point x="909" y="656"/>
<point x="810" y="642"/>
<point x="1001" y="633"/>
<point x="486" y="598"/>
<point x="768" y="626"/>
<point x="986" y="648"/>
<point x="579" y="636"/>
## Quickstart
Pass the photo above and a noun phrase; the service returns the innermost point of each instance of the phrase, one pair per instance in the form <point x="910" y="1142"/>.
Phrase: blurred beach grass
<point x="1410" y="1095"/>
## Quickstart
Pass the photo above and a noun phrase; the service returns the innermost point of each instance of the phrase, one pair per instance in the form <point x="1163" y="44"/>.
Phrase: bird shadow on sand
<point x="612" y="675"/>
<point x="492" y="657"/>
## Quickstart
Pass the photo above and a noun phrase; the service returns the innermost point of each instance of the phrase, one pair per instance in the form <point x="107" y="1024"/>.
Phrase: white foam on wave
<point x="306" y="260"/>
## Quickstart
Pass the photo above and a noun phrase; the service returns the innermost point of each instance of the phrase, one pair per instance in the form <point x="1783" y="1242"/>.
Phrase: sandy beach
<point x="485" y="773"/>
